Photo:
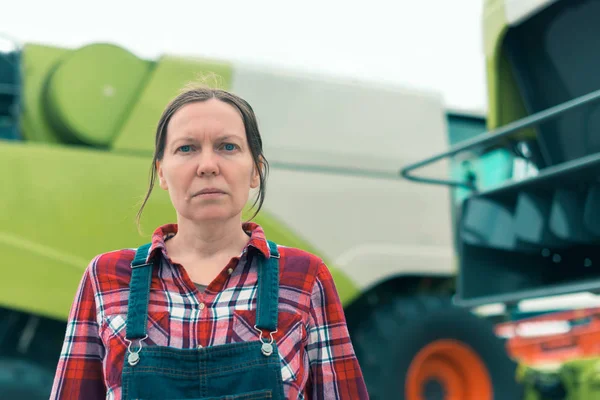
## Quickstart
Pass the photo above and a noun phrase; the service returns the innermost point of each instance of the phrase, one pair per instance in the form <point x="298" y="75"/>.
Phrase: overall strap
<point x="268" y="290"/>
<point x="139" y="292"/>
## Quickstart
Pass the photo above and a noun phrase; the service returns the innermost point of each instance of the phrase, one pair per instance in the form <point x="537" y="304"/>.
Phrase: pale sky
<point x="430" y="44"/>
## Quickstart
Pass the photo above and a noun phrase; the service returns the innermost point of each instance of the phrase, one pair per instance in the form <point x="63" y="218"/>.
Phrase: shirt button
<point x="230" y="271"/>
<point x="202" y="306"/>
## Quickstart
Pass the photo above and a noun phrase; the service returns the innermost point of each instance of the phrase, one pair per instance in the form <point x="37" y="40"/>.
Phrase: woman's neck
<point x="207" y="240"/>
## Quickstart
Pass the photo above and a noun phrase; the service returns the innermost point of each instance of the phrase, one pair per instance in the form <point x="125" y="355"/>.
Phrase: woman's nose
<point x="208" y="164"/>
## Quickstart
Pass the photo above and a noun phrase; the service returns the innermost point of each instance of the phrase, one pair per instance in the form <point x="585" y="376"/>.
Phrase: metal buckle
<point x="134" y="356"/>
<point x="141" y="265"/>
<point x="267" y="347"/>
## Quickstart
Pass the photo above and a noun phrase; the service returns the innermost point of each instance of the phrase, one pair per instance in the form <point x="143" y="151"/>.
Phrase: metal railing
<point x="13" y="90"/>
<point x="491" y="137"/>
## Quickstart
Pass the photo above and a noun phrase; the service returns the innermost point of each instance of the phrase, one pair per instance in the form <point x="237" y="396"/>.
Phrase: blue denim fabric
<point x="236" y="371"/>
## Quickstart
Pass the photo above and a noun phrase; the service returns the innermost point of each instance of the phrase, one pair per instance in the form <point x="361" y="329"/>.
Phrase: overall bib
<point x="250" y="370"/>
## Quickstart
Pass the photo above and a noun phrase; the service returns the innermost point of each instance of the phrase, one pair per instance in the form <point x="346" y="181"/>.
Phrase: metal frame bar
<point x="15" y="89"/>
<point x="488" y="138"/>
<point x="6" y="88"/>
<point x="517" y="296"/>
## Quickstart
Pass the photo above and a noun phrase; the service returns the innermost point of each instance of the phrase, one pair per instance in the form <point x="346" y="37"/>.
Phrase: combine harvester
<point x="77" y="128"/>
<point x="519" y="222"/>
<point x="528" y="197"/>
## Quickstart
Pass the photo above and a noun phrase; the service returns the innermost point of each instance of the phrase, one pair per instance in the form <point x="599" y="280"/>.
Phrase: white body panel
<point x="372" y="227"/>
<point x="519" y="10"/>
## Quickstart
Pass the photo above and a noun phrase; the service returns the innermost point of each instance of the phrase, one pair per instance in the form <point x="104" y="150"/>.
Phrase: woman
<point x="210" y="308"/>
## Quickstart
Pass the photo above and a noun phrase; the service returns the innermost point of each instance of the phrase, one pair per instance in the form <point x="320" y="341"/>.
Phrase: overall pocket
<point x="157" y="328"/>
<point x="261" y="394"/>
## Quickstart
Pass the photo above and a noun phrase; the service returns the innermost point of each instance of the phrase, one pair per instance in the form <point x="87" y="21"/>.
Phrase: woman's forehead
<point x="212" y="118"/>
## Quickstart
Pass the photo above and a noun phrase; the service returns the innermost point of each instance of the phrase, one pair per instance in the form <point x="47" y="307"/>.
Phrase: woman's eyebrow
<point x="229" y="137"/>
<point x="183" y="139"/>
<point x="218" y="138"/>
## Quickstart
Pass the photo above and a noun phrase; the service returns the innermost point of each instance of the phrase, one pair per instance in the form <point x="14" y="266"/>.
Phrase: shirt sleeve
<point x="79" y="371"/>
<point x="334" y="369"/>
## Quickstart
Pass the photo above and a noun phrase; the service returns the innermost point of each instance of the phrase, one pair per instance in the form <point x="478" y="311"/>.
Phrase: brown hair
<point x="192" y="94"/>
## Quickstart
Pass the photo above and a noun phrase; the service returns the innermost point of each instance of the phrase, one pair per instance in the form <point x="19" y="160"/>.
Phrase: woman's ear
<point x="255" y="181"/>
<point x="161" y="178"/>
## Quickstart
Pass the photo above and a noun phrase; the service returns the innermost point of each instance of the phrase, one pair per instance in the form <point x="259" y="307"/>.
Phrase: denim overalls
<point x="250" y="370"/>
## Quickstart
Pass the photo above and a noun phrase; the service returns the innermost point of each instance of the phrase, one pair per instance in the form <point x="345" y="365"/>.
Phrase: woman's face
<point x="207" y="165"/>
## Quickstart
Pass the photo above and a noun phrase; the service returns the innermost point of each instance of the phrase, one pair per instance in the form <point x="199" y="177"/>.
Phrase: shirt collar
<point x="164" y="232"/>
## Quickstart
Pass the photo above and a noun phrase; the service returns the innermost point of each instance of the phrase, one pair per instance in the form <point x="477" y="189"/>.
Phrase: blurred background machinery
<point x="483" y="291"/>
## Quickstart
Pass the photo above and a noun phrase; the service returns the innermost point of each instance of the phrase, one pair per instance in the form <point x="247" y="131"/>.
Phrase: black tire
<point x="24" y="380"/>
<point x="27" y="367"/>
<point x="390" y="335"/>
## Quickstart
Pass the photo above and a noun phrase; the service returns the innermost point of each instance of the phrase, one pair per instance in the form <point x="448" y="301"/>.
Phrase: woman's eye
<point x="185" y="149"/>
<point x="229" y="146"/>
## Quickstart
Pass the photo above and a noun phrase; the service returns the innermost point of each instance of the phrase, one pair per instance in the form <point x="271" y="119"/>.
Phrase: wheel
<point x="21" y="379"/>
<point x="423" y="348"/>
<point x="30" y="347"/>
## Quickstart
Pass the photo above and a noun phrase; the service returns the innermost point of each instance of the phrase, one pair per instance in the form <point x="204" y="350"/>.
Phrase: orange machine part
<point x="457" y="369"/>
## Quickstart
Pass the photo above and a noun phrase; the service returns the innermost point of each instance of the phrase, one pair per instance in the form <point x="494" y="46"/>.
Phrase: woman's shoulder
<point x="112" y="265"/>
<point x="294" y="257"/>
<point x="304" y="277"/>
<point x="296" y="262"/>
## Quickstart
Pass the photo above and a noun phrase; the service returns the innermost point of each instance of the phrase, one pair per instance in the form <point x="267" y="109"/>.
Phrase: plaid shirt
<point x="317" y="357"/>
